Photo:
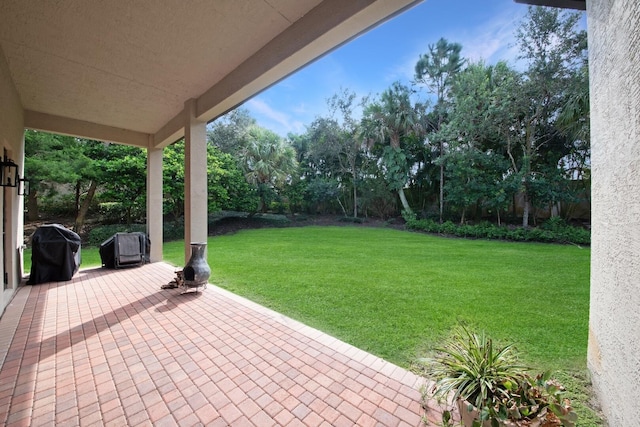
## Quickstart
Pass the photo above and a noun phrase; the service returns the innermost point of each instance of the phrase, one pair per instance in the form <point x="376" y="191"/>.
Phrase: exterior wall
<point x="614" y="325"/>
<point x="11" y="139"/>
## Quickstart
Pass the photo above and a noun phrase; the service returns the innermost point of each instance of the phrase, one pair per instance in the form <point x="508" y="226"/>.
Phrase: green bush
<point x="448" y="227"/>
<point x="173" y="230"/>
<point x="55" y="204"/>
<point x="111" y="212"/>
<point x="99" y="234"/>
<point x="555" y="230"/>
<point x="351" y="219"/>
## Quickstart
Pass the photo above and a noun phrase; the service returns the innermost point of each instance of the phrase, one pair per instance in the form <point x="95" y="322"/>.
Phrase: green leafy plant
<point x="99" y="234"/>
<point x="556" y="232"/>
<point x="491" y="388"/>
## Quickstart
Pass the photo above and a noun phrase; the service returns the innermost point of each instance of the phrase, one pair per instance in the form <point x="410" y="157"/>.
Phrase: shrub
<point x="554" y="230"/>
<point x="173" y="230"/>
<point x="99" y="234"/>
<point x="448" y="227"/>
<point x="55" y="204"/>
<point x="491" y="387"/>
<point x="111" y="212"/>
<point x="351" y="219"/>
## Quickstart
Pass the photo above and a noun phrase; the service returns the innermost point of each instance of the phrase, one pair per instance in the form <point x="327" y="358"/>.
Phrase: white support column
<point x="154" y="202"/>
<point x="613" y="355"/>
<point x="195" y="178"/>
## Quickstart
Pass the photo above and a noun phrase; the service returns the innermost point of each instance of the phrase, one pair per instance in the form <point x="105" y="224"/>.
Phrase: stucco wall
<point x="11" y="138"/>
<point x="614" y="335"/>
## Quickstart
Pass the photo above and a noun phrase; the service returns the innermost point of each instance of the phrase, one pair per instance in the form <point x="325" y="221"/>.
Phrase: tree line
<point x="464" y="140"/>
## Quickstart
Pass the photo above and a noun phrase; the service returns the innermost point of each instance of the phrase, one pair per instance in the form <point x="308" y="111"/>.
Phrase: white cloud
<point x="301" y="109"/>
<point x="278" y="121"/>
<point x="494" y="40"/>
<point x="261" y="107"/>
<point x="490" y="41"/>
<point x="404" y="71"/>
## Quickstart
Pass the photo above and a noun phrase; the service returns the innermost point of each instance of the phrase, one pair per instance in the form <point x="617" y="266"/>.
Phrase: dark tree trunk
<point x="32" y="206"/>
<point x="441" y="197"/>
<point x="76" y="205"/>
<point x="82" y="212"/>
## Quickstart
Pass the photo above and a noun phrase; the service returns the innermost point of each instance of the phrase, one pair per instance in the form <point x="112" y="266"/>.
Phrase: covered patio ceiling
<point x="122" y="70"/>
<point x="565" y="4"/>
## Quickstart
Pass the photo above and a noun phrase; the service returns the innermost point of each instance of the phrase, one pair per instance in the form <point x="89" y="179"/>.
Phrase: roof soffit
<point x="132" y="65"/>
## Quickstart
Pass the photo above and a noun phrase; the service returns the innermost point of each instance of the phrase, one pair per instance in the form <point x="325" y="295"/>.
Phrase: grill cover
<point x="125" y="250"/>
<point x="55" y="254"/>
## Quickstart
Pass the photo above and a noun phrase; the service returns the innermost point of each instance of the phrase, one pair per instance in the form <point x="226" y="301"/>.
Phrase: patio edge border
<point x="11" y="318"/>
<point x="376" y="363"/>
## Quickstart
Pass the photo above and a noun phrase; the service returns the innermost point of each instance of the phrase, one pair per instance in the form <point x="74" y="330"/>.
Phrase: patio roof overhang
<point x="122" y="71"/>
<point x="565" y="4"/>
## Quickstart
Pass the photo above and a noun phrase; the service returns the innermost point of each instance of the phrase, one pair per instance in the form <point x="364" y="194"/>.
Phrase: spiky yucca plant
<point x="471" y="368"/>
<point x="491" y="381"/>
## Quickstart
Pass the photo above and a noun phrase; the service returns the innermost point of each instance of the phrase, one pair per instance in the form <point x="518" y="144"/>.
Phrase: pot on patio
<point x="470" y="414"/>
<point x="197" y="271"/>
<point x="492" y="389"/>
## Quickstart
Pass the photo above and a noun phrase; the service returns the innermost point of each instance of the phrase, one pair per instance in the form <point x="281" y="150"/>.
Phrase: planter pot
<point x="197" y="271"/>
<point x="467" y="417"/>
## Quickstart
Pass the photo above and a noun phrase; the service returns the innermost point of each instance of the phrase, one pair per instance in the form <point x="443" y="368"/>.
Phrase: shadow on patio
<point x="110" y="348"/>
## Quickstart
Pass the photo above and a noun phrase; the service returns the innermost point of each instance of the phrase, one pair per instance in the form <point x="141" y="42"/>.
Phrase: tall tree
<point x="173" y="179"/>
<point x="227" y="187"/>
<point x="477" y="168"/>
<point x="555" y="50"/>
<point x="436" y="70"/>
<point x="91" y="174"/>
<point x="338" y="142"/>
<point x="45" y="163"/>
<point x="389" y="121"/>
<point x="56" y="159"/>
<point x="124" y="171"/>
<point x="327" y="142"/>
<point x="573" y="122"/>
<point x="228" y="132"/>
<point x="267" y="161"/>
<point x="351" y="154"/>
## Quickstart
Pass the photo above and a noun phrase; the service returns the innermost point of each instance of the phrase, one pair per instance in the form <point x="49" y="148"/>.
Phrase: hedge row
<point x="99" y="234"/>
<point x="554" y="231"/>
<point x="174" y="230"/>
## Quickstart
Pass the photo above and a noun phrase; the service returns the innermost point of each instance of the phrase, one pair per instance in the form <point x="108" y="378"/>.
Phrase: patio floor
<point x="111" y="348"/>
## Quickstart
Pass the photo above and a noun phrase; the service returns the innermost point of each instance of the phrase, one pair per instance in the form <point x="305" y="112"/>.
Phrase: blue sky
<point x="370" y="63"/>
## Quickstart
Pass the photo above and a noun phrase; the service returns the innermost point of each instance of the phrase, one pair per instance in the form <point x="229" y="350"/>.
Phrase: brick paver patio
<point x="111" y="348"/>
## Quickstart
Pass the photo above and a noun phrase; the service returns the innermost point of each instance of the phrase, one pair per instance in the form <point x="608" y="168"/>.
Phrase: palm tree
<point x="392" y="119"/>
<point x="267" y="161"/>
<point x="437" y="71"/>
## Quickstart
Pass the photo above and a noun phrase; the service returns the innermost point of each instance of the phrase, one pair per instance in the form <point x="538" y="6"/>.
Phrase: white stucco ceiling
<point x="122" y="69"/>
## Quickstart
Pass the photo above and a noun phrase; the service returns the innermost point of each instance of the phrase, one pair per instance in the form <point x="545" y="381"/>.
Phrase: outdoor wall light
<point x="8" y="173"/>
<point x="24" y="187"/>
